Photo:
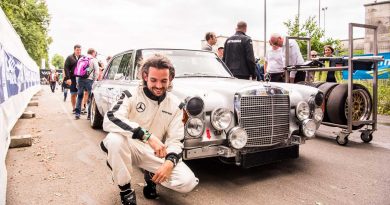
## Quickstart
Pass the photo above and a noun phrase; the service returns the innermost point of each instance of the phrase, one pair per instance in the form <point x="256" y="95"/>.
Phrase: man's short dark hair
<point x="158" y="61"/>
<point x="241" y="25"/>
<point x="219" y="48"/>
<point x="76" y="46"/>
<point x="209" y="35"/>
<point x="90" y="51"/>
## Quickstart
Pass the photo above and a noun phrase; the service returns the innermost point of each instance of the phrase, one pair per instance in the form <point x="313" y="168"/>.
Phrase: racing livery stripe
<point x="116" y="121"/>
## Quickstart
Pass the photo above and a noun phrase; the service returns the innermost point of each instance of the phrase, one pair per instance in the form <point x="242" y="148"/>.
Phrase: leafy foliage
<point x="310" y="29"/>
<point x="31" y="20"/>
<point x="57" y="61"/>
<point x="383" y="94"/>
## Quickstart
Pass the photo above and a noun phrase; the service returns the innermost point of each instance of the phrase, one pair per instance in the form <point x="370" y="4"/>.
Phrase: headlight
<point x="195" y="127"/>
<point x="194" y="106"/>
<point x="237" y="137"/>
<point x="319" y="99"/>
<point x="302" y="111"/>
<point x="221" y="118"/>
<point x="318" y="114"/>
<point x="309" y="128"/>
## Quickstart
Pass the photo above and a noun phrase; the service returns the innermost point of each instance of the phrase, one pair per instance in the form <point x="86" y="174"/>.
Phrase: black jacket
<point x="238" y="55"/>
<point x="69" y="66"/>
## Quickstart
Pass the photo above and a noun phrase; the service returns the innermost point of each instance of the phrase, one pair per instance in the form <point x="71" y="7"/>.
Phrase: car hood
<point x="297" y="92"/>
<point x="215" y="92"/>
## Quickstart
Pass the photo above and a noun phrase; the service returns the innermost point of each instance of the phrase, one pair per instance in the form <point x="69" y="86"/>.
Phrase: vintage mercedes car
<point x="247" y="123"/>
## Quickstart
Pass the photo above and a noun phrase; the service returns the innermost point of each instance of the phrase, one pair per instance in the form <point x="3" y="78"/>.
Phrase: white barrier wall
<point x="19" y="81"/>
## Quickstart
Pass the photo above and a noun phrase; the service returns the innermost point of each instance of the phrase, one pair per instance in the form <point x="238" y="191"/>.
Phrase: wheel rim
<point x="93" y="105"/>
<point x="360" y="109"/>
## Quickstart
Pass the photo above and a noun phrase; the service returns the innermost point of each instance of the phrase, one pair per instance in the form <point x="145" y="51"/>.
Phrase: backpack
<point x="82" y="67"/>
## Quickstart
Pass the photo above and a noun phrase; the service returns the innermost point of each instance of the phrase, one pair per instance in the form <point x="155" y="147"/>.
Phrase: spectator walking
<point x="69" y="66"/>
<point x="53" y="78"/>
<point x="211" y="39"/>
<point x="238" y="53"/>
<point x="86" y="83"/>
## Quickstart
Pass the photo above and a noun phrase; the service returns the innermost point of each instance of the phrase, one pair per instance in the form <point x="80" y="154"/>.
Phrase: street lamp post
<point x="324" y="9"/>
<point x="319" y="14"/>
<point x="265" y="27"/>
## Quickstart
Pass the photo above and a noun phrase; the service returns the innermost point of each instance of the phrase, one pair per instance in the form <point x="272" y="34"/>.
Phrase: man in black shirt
<point x="69" y="78"/>
<point x="238" y="54"/>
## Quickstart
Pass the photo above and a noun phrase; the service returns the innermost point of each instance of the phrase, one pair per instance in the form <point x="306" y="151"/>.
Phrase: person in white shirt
<point x="295" y="57"/>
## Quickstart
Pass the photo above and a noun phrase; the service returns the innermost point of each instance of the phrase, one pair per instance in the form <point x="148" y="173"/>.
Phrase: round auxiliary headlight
<point x="237" y="137"/>
<point x="318" y="114"/>
<point x="221" y="118"/>
<point x="319" y="99"/>
<point x="302" y="111"/>
<point x="195" y="127"/>
<point x="309" y="128"/>
<point x="195" y="106"/>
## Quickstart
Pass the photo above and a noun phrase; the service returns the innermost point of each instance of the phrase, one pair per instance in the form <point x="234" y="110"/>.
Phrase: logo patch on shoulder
<point x="140" y="107"/>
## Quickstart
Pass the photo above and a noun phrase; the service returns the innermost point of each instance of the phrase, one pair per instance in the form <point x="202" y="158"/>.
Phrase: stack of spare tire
<point x="336" y="102"/>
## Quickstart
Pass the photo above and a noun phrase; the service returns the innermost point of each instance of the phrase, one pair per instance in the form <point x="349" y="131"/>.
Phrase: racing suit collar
<point x="151" y="96"/>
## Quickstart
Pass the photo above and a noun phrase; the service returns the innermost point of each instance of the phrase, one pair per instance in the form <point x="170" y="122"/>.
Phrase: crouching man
<point x="145" y="130"/>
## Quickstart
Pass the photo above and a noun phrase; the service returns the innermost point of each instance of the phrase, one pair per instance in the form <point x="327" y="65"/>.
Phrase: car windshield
<point x="190" y="63"/>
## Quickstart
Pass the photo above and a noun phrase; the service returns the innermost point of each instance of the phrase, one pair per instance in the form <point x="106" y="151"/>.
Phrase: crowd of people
<point x="238" y="56"/>
<point x="80" y="87"/>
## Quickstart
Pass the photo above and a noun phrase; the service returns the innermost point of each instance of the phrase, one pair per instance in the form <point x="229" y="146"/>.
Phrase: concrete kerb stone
<point x="28" y="115"/>
<point x="20" y="141"/>
<point x="33" y="103"/>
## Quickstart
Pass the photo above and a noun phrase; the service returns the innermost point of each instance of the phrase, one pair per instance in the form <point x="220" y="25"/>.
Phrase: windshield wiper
<point x="201" y="75"/>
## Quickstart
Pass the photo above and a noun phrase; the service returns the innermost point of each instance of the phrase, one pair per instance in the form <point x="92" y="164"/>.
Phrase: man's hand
<point x="163" y="173"/>
<point x="69" y="82"/>
<point x="158" y="147"/>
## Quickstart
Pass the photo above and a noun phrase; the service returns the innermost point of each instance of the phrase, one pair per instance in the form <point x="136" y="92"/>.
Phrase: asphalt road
<point x="66" y="166"/>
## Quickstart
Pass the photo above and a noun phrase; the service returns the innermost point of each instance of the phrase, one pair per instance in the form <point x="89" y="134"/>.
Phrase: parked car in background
<point x="247" y="123"/>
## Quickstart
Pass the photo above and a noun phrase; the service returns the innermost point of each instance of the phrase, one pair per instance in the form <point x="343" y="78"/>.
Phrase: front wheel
<point x="366" y="137"/>
<point x="96" y="118"/>
<point x="342" y="140"/>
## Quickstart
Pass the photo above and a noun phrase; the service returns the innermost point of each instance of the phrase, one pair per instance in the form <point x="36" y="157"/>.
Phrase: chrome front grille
<point x="265" y="119"/>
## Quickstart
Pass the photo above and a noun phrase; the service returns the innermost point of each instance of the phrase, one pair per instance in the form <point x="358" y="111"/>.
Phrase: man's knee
<point x="187" y="183"/>
<point x="113" y="142"/>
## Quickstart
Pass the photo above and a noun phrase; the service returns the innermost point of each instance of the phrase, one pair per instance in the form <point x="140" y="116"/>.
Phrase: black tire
<point x="366" y="137"/>
<point x="342" y="141"/>
<point x="96" y="118"/>
<point x="326" y="88"/>
<point x="336" y="104"/>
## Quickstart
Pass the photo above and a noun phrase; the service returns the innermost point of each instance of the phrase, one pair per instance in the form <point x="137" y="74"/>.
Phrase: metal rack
<point x="342" y="136"/>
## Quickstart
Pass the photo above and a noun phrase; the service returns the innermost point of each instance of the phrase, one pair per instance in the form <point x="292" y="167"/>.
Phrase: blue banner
<point x="15" y="77"/>
<point x="383" y="69"/>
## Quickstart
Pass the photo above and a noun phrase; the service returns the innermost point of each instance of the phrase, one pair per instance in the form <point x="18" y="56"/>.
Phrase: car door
<point x="118" y="78"/>
<point x="103" y="89"/>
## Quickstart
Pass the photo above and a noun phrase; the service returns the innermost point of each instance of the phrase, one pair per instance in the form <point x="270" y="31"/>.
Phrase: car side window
<point x="123" y="70"/>
<point x="114" y="67"/>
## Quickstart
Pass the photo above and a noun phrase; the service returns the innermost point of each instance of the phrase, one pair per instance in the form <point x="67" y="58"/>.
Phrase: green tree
<point x="57" y="61"/>
<point x="310" y="29"/>
<point x="31" y="20"/>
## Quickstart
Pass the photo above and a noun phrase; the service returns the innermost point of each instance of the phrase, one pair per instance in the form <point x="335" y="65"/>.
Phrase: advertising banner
<point x="383" y="69"/>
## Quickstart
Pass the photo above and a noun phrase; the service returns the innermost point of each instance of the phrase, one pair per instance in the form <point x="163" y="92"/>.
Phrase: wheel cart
<point x="370" y="124"/>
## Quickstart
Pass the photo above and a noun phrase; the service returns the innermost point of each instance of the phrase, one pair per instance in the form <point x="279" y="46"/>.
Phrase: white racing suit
<point x="161" y="116"/>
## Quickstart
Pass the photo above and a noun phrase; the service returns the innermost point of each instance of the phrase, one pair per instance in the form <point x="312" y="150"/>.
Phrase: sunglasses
<point x="314" y="56"/>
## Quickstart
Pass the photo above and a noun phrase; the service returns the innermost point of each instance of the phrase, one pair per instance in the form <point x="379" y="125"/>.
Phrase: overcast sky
<point x="112" y="26"/>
